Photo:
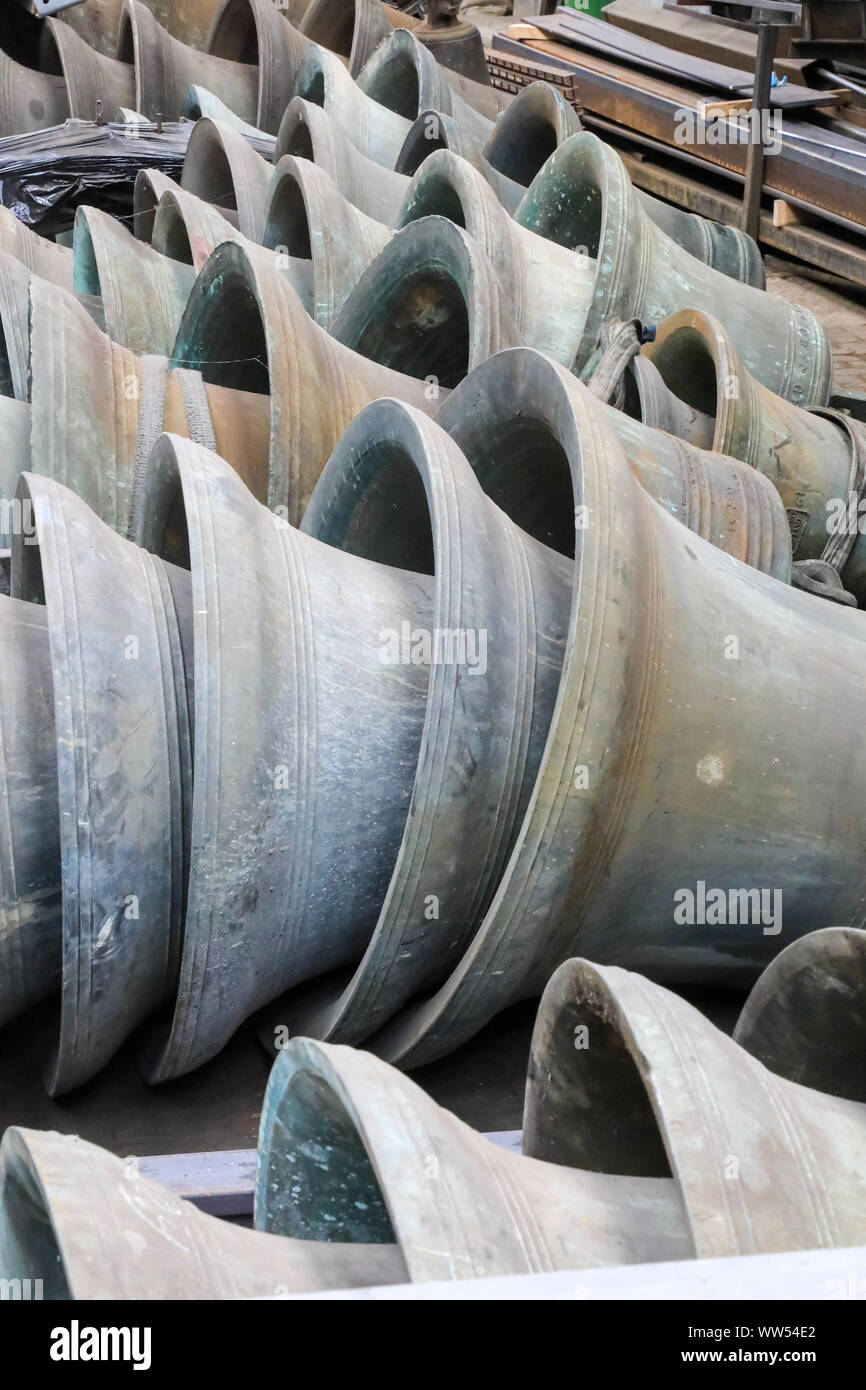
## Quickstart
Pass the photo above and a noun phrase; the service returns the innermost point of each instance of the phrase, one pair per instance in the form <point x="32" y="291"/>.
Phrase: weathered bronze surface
<point x="583" y="198"/>
<point x="222" y="168"/>
<point x="123" y="768"/>
<point x="30" y="908"/>
<point x="259" y="34"/>
<point x="98" y="408"/>
<point x="143" y="293"/>
<point x="165" y="69"/>
<point x="287" y="649"/>
<point x="351" y="28"/>
<point x="310" y="221"/>
<point x="245" y="327"/>
<point x="660" y="1091"/>
<point x="816" y="459"/>
<point x="491" y="716"/>
<point x="674" y="754"/>
<point x="87" y="1225"/>
<point x="396" y="1167"/>
<point x="309" y="132"/>
<point x="430" y="305"/>
<point x="806" y="1016"/>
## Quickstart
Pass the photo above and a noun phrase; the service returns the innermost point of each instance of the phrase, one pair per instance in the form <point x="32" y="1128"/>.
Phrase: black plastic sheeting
<point x="45" y="175"/>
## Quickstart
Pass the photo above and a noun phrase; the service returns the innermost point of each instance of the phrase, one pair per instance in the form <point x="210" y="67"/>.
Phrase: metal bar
<point x="829" y="184"/>
<point x="759" y="115"/>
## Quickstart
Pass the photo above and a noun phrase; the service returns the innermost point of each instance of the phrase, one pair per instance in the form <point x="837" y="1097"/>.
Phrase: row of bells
<point x="648" y="1136"/>
<point x="389" y="626"/>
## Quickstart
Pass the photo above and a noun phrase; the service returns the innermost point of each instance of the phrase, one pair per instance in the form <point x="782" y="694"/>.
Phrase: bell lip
<point x="239" y="262"/>
<point x="307" y="1055"/>
<point x="398" y="54"/>
<point x="726" y="365"/>
<point x="326" y="214"/>
<point x="301" y="1055"/>
<point x="149" y="186"/>
<point x="94" y="69"/>
<point x="56" y="318"/>
<point x="309" y="132"/>
<point x="31" y="859"/>
<point x="369" y="28"/>
<point x="18" y="414"/>
<point x="436" y="245"/>
<point x="418" y="145"/>
<point x="615" y="257"/>
<point x="824" y="970"/>
<point x="537" y="104"/>
<point x="280" y="48"/>
<point x="548" y="1118"/>
<point x="201" y="103"/>
<point x="42" y="574"/>
<point x="130" y="41"/>
<point x="15" y="280"/>
<point x="343" y="1010"/>
<point x="102" y="250"/>
<point x="303" y="115"/>
<point x="20" y="1160"/>
<point x="479" y="986"/>
<point x="236" y="158"/>
<point x="163" y="1045"/>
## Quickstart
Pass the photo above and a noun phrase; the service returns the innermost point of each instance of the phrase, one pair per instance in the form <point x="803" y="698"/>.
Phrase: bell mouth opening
<point x="222" y="334"/>
<point x="29" y="1249"/>
<point x="29" y="41"/>
<point x="521" y="142"/>
<point x="796" y="1006"/>
<point x="588" y="1102"/>
<point x="234" y="34"/>
<point x="315" y="1177"/>
<point x="512" y="421"/>
<point x="688" y="366"/>
<point x="566" y="202"/>
<point x="288" y="225"/>
<point x="162" y="527"/>
<point x="170" y="235"/>
<point x="295" y="137"/>
<point x="207" y="170"/>
<point x="27" y="578"/>
<point x="434" y="195"/>
<point x="415" y="309"/>
<point x="376" y="485"/>
<point x="428" y="133"/>
<point x="332" y="24"/>
<point x="393" y="80"/>
<point x="86" y="276"/>
<point x="309" y="84"/>
<point x="145" y="206"/>
<point x="126" y="44"/>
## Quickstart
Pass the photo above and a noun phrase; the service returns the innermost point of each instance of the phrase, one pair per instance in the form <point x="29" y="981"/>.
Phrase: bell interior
<point x="320" y="1182"/>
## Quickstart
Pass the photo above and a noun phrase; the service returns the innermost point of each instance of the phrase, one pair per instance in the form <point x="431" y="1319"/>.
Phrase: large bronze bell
<point x="583" y="198"/>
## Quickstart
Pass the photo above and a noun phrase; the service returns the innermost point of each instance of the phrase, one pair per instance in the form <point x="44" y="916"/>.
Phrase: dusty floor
<point x="841" y="309"/>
